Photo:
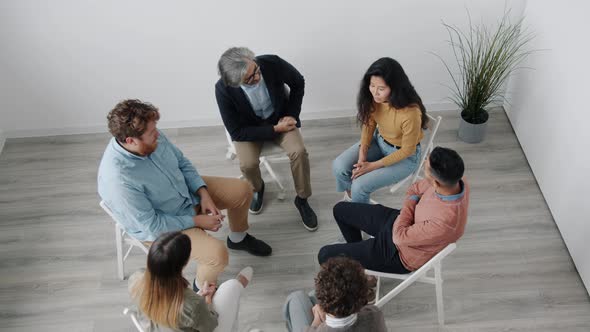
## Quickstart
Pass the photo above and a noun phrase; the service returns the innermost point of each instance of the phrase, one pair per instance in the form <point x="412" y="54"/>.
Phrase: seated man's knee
<point x="243" y="189"/>
<point x="218" y="254"/>
<point x="324" y="254"/>
<point x="249" y="164"/>
<point x="297" y="152"/>
<point x="339" y="210"/>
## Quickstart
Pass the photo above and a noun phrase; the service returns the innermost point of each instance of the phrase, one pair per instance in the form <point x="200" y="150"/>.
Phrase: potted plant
<point x="485" y="58"/>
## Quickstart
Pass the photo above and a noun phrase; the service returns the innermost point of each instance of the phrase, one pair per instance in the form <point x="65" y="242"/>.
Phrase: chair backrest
<point x="430" y="135"/>
<point x="106" y="209"/>
<point x="133" y="315"/>
<point x="230" y="144"/>
<point x="129" y="238"/>
<point x="421" y="272"/>
<point x="438" y="257"/>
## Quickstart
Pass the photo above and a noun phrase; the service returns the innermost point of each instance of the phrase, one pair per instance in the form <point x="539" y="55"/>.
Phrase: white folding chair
<point x="435" y="263"/>
<point x="270" y="153"/>
<point x="430" y="134"/>
<point x="133" y="315"/>
<point x="122" y="236"/>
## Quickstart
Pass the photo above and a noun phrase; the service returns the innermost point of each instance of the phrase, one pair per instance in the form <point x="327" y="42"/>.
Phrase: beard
<point x="149" y="149"/>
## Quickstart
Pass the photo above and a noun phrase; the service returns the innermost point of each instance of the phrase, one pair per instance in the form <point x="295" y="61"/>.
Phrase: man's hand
<point x="208" y="222"/>
<point x="286" y="124"/>
<point x="207" y="204"/>
<point x="364" y="168"/>
<point x="319" y="316"/>
<point x="288" y="118"/>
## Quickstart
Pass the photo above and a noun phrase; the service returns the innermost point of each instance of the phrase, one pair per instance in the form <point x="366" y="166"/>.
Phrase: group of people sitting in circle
<point x="159" y="198"/>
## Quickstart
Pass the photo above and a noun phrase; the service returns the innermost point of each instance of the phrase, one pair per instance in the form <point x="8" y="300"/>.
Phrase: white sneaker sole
<point x="346" y="198"/>
<point x="309" y="228"/>
<point x="256" y="212"/>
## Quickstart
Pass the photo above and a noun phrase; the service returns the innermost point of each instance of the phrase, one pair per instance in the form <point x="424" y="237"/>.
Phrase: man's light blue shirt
<point x="259" y="99"/>
<point x="149" y="195"/>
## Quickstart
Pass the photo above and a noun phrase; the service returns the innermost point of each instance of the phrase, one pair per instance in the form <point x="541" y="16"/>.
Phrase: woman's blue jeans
<point x="362" y="187"/>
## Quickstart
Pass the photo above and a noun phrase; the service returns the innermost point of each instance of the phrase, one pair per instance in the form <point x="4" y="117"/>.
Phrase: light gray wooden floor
<point x="511" y="270"/>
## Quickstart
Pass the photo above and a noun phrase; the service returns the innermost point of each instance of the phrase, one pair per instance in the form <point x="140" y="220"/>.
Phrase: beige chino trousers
<point x="292" y="143"/>
<point x="211" y="254"/>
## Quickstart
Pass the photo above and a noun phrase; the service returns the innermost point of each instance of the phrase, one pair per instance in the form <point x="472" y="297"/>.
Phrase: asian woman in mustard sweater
<point x="392" y="117"/>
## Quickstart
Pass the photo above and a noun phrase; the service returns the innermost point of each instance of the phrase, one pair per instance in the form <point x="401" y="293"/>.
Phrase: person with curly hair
<point x="340" y="302"/>
<point x="152" y="188"/>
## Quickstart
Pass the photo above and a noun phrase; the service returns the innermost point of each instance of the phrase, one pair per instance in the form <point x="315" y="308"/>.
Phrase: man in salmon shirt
<point x="433" y="215"/>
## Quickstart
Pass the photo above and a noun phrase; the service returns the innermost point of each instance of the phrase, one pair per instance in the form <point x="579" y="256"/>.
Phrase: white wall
<point x="549" y="113"/>
<point x="65" y="63"/>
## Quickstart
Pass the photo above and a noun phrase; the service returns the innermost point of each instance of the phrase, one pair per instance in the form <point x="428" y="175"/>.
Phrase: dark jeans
<point x="378" y="253"/>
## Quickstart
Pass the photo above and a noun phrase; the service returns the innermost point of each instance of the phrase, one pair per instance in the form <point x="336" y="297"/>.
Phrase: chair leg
<point x="127" y="253"/>
<point x="378" y="290"/>
<point x="274" y="176"/>
<point x="119" y="245"/>
<point x="439" y="293"/>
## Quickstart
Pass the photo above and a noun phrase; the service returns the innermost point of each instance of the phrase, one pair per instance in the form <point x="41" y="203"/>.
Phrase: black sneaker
<point x="308" y="217"/>
<point x="256" y="204"/>
<point x="252" y="245"/>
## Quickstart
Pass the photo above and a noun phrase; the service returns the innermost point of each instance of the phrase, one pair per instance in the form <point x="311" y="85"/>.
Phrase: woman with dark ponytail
<point x="165" y="300"/>
<point x="392" y="117"/>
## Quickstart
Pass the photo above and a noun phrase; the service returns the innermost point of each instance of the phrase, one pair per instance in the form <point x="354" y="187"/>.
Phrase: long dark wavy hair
<point x="402" y="94"/>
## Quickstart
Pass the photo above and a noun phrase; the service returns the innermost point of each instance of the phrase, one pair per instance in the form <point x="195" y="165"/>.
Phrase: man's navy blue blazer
<point x="238" y="116"/>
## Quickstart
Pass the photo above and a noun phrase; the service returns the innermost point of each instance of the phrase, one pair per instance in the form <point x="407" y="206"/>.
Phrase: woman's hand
<point x="363" y="153"/>
<point x="208" y="291"/>
<point x="319" y="316"/>
<point x="364" y="167"/>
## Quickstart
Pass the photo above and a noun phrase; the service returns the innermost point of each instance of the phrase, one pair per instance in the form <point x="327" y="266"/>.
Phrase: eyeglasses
<point x="250" y="78"/>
